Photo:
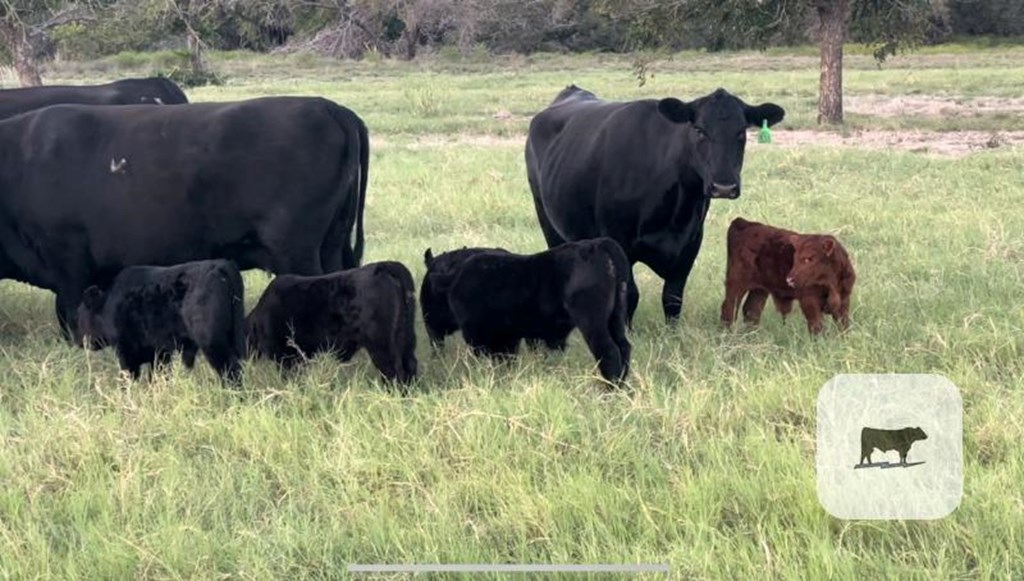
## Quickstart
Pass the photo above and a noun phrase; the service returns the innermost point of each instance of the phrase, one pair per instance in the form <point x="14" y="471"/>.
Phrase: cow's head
<point x="92" y="326"/>
<point x="814" y="261"/>
<point x="717" y="135"/>
<point x="918" y="434"/>
<point x="437" y="315"/>
<point x="441" y="272"/>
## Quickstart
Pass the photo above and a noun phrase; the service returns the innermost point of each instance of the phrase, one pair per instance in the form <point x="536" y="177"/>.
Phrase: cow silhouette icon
<point x="886" y="440"/>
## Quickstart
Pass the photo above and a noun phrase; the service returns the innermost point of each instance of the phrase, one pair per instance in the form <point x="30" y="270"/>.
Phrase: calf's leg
<point x="784" y="306"/>
<point x="754" y="306"/>
<point x="733" y="294"/>
<point x="811" y="307"/>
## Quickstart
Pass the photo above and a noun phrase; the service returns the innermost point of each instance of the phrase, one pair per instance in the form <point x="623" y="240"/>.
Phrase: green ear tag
<point x="765" y="134"/>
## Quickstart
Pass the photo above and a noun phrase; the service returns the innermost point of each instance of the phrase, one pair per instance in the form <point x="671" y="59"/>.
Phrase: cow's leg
<point x="226" y="363"/>
<point x="784" y="306"/>
<point x="161" y="361"/>
<point x="675" y="284"/>
<point x="811" y="307"/>
<point x="66" y="305"/>
<point x="387" y="359"/>
<point x="557" y="343"/>
<point x="188" y="354"/>
<point x="730" y="305"/>
<point x="632" y="296"/>
<point x="754" y="306"/>
<point x="594" y="326"/>
<point x="617" y="330"/>
<point x="490" y="342"/>
<point x="840" y="307"/>
<point x="130" y="360"/>
<point x="605" y="351"/>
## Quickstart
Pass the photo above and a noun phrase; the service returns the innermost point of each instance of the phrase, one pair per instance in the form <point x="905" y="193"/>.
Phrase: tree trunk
<point x="23" y="53"/>
<point x="25" y="65"/>
<point x="195" y="54"/>
<point x="832" y="30"/>
<point x="411" y="39"/>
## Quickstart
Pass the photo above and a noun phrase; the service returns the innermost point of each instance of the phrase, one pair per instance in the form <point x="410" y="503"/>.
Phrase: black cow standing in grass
<point x="149" y="91"/>
<point x="885" y="440"/>
<point x="277" y="183"/>
<point x="639" y="172"/>
<point x="371" y="307"/>
<point x="497" y="299"/>
<point x="150" y="312"/>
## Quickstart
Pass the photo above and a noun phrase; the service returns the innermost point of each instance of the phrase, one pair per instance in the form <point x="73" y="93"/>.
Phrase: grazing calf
<point x="885" y="440"/>
<point x="371" y="307"/>
<point x="441" y="270"/>
<point x="812" y="269"/>
<point x="149" y="312"/>
<point x="497" y="299"/>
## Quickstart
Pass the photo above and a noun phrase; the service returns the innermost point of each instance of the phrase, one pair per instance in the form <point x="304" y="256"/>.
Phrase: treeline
<point x="405" y="28"/>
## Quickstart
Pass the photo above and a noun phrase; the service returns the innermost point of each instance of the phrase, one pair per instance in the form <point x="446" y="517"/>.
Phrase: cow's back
<point x="154" y="90"/>
<point x="167" y="185"/>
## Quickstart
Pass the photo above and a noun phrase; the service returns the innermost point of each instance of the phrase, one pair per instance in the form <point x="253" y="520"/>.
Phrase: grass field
<point x="707" y="464"/>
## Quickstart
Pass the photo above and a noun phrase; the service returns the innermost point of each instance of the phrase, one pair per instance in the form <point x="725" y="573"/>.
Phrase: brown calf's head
<point x="817" y="260"/>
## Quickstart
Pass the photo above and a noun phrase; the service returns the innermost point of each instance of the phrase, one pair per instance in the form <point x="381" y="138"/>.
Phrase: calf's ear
<point x="758" y="114"/>
<point x="428" y="257"/>
<point x="94" y="298"/>
<point x="676" y="111"/>
<point x="829" y="244"/>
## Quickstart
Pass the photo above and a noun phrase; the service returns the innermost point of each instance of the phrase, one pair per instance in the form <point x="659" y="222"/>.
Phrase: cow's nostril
<point x="725" y="190"/>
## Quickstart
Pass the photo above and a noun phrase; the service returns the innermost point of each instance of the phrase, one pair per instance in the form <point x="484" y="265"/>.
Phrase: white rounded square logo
<point x="890" y="446"/>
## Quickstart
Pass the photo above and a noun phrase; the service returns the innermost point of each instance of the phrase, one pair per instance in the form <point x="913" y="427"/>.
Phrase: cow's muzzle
<point x="725" y="191"/>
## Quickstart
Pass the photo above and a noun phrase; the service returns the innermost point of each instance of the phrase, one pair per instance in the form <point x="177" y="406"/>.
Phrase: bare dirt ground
<point x="931" y="105"/>
<point x="945" y="143"/>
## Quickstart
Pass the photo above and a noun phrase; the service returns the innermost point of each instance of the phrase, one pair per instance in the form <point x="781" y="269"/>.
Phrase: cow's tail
<point x="337" y="234"/>
<point x="404" y="329"/>
<point x="364" y="176"/>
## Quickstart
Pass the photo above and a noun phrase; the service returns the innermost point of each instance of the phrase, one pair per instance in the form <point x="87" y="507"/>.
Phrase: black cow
<point x="372" y="307"/>
<point x="150" y="91"/>
<point x="274" y="183"/>
<point x="639" y="172"/>
<point x="497" y="299"/>
<point x="150" y="312"/>
<point x="885" y="440"/>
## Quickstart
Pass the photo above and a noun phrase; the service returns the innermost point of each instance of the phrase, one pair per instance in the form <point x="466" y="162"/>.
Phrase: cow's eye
<point x="807" y="259"/>
<point x="700" y="133"/>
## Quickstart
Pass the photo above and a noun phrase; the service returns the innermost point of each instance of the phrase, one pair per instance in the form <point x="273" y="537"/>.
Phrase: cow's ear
<point x="829" y="244"/>
<point x="758" y="114"/>
<point x="428" y="257"/>
<point x="676" y="111"/>
<point x="94" y="298"/>
<point x="794" y="239"/>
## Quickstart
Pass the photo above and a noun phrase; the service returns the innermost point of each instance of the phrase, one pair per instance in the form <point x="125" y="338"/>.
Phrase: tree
<point x="24" y="28"/>
<point x="886" y="25"/>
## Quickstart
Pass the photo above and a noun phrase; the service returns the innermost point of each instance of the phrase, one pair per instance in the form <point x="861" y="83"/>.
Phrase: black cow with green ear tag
<point x="640" y="172"/>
